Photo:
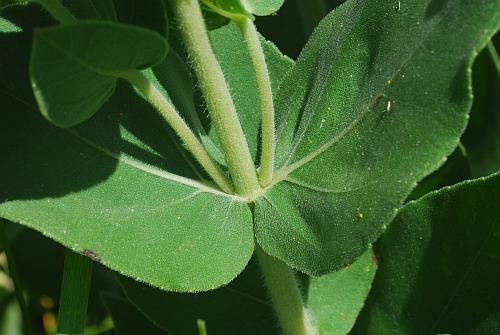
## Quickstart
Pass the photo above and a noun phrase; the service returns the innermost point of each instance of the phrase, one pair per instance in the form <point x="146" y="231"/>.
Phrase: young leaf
<point x="74" y="67"/>
<point x="234" y="10"/>
<point x="259" y="7"/>
<point x="354" y="117"/>
<point x="439" y="265"/>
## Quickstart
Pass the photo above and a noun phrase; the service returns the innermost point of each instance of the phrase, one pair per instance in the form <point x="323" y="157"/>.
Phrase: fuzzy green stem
<point x="218" y="98"/>
<point x="494" y="56"/>
<point x="57" y="10"/>
<point x="251" y="37"/>
<point x="170" y="114"/>
<point x="18" y="290"/>
<point x="285" y="295"/>
<point x="74" y="294"/>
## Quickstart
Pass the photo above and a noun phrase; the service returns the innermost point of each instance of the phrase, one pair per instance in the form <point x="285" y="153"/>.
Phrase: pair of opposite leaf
<point x="345" y="161"/>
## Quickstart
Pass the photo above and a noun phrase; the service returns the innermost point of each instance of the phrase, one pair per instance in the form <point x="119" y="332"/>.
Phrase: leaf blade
<point x="356" y="105"/>
<point x="74" y="67"/>
<point x="445" y="245"/>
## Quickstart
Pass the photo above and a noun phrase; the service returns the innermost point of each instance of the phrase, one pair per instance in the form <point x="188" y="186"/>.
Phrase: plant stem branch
<point x="251" y="37"/>
<point x="74" y="294"/>
<point x="57" y="10"/>
<point x="285" y="295"/>
<point x="494" y="56"/>
<point x="170" y="114"/>
<point x="218" y="98"/>
<point x="14" y="275"/>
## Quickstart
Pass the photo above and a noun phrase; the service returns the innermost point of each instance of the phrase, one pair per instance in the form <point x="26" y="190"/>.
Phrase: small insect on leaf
<point x="92" y="255"/>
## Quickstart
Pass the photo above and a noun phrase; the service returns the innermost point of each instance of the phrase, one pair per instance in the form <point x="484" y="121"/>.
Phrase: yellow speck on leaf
<point x="361" y="215"/>
<point x="389" y="82"/>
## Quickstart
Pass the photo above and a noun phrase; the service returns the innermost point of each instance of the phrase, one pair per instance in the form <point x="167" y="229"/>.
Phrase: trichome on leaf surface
<point x="230" y="189"/>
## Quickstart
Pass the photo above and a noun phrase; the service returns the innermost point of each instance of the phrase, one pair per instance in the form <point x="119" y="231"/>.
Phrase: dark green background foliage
<point x="374" y="148"/>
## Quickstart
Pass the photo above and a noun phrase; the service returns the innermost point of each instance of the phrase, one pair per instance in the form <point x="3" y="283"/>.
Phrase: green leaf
<point x="482" y="137"/>
<point x="74" y="67"/>
<point x="107" y="187"/>
<point x="239" y="308"/>
<point x="127" y="319"/>
<point x="439" y="265"/>
<point x="336" y="299"/>
<point x="235" y="10"/>
<point x="353" y="123"/>
<point x="8" y="27"/>
<point x="259" y="7"/>
<point x="121" y="186"/>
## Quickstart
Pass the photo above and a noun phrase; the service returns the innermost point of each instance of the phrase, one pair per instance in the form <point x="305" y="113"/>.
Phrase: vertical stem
<point x="202" y="327"/>
<point x="285" y="295"/>
<point x="170" y="114"/>
<point x="74" y="294"/>
<point x="216" y="92"/>
<point x="57" y="10"/>
<point x="249" y="32"/>
<point x="494" y="56"/>
<point x="18" y="290"/>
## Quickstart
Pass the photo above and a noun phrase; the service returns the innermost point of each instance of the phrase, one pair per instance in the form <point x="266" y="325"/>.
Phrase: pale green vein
<point x="125" y="159"/>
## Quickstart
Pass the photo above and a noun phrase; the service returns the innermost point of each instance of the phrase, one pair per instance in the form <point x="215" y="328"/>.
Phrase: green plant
<point x="303" y="163"/>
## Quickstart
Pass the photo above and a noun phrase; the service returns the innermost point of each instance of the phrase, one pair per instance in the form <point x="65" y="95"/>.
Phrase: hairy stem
<point x="57" y="10"/>
<point x="18" y="290"/>
<point x="265" y="96"/>
<point x="74" y="294"/>
<point x="285" y="295"/>
<point x="216" y="92"/>
<point x="170" y="114"/>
